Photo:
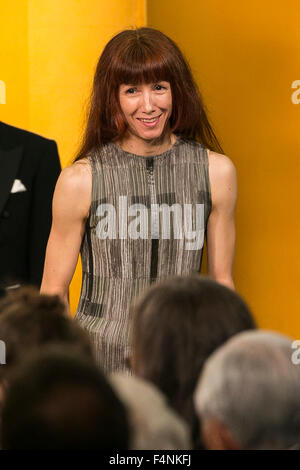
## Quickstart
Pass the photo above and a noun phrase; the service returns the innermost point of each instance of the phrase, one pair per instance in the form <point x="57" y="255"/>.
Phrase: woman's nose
<point x="147" y="102"/>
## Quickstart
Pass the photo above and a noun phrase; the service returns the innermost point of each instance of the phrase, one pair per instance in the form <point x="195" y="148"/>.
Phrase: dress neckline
<point x="146" y="157"/>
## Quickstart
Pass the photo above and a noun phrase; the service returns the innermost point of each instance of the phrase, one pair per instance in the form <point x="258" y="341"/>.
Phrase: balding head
<point x="248" y="394"/>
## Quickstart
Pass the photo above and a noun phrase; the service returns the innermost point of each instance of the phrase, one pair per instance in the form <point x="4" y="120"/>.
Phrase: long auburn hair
<point x="144" y="55"/>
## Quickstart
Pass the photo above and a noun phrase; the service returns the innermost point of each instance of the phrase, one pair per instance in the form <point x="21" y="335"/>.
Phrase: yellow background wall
<point x="245" y="57"/>
<point x="14" y="62"/>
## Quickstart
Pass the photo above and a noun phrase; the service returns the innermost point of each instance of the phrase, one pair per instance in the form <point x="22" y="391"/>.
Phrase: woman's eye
<point x="160" y="86"/>
<point x="131" y="90"/>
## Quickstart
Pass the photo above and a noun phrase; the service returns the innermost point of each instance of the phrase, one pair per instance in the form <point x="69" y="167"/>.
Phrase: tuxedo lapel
<point x="9" y="164"/>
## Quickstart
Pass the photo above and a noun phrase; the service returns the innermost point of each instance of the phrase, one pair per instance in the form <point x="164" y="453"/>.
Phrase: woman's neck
<point x="134" y="144"/>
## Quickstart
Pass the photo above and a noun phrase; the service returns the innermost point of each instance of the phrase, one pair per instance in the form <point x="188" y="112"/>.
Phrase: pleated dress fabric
<point x="121" y="258"/>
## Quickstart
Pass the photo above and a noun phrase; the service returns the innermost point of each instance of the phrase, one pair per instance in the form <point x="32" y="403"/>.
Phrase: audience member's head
<point x="29" y="320"/>
<point x="177" y="325"/>
<point x="248" y="396"/>
<point x="154" y="425"/>
<point x="57" y="399"/>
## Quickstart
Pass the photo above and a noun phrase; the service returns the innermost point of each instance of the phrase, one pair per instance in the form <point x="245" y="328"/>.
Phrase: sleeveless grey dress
<point x="133" y="237"/>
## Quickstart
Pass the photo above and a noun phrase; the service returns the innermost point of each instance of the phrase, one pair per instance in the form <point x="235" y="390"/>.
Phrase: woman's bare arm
<point x="70" y="209"/>
<point x="221" y="224"/>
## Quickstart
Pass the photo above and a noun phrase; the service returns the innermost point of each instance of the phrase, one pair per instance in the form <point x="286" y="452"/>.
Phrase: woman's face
<point x="147" y="108"/>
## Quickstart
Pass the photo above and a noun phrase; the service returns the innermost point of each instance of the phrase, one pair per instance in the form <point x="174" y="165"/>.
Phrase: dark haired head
<point x="144" y="55"/>
<point x="59" y="400"/>
<point x="29" y="320"/>
<point x="177" y="324"/>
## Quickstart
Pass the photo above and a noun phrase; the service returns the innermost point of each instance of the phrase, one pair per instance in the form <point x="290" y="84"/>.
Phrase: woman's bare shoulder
<point x="220" y="166"/>
<point x="74" y="186"/>
<point x="82" y="166"/>
<point x="79" y="174"/>
<point x="223" y="178"/>
<point x="219" y="160"/>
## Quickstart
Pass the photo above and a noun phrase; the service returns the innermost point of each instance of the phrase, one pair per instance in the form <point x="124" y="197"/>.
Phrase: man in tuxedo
<point x="29" y="168"/>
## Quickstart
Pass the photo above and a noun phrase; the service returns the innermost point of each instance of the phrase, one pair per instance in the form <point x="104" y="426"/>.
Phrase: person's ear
<point x="216" y="436"/>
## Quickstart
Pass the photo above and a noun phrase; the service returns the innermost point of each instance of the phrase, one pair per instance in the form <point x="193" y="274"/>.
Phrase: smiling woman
<point x="147" y="142"/>
<point x="147" y="109"/>
<point x="142" y="73"/>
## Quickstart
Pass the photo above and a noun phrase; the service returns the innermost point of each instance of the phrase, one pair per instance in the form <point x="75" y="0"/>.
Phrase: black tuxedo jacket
<point x="29" y="168"/>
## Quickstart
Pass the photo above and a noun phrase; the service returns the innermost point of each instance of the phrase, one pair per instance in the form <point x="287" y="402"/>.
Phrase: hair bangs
<point x="136" y="68"/>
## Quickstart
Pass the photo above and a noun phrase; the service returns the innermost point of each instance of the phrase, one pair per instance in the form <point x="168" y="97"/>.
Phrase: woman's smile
<point x="149" y="122"/>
